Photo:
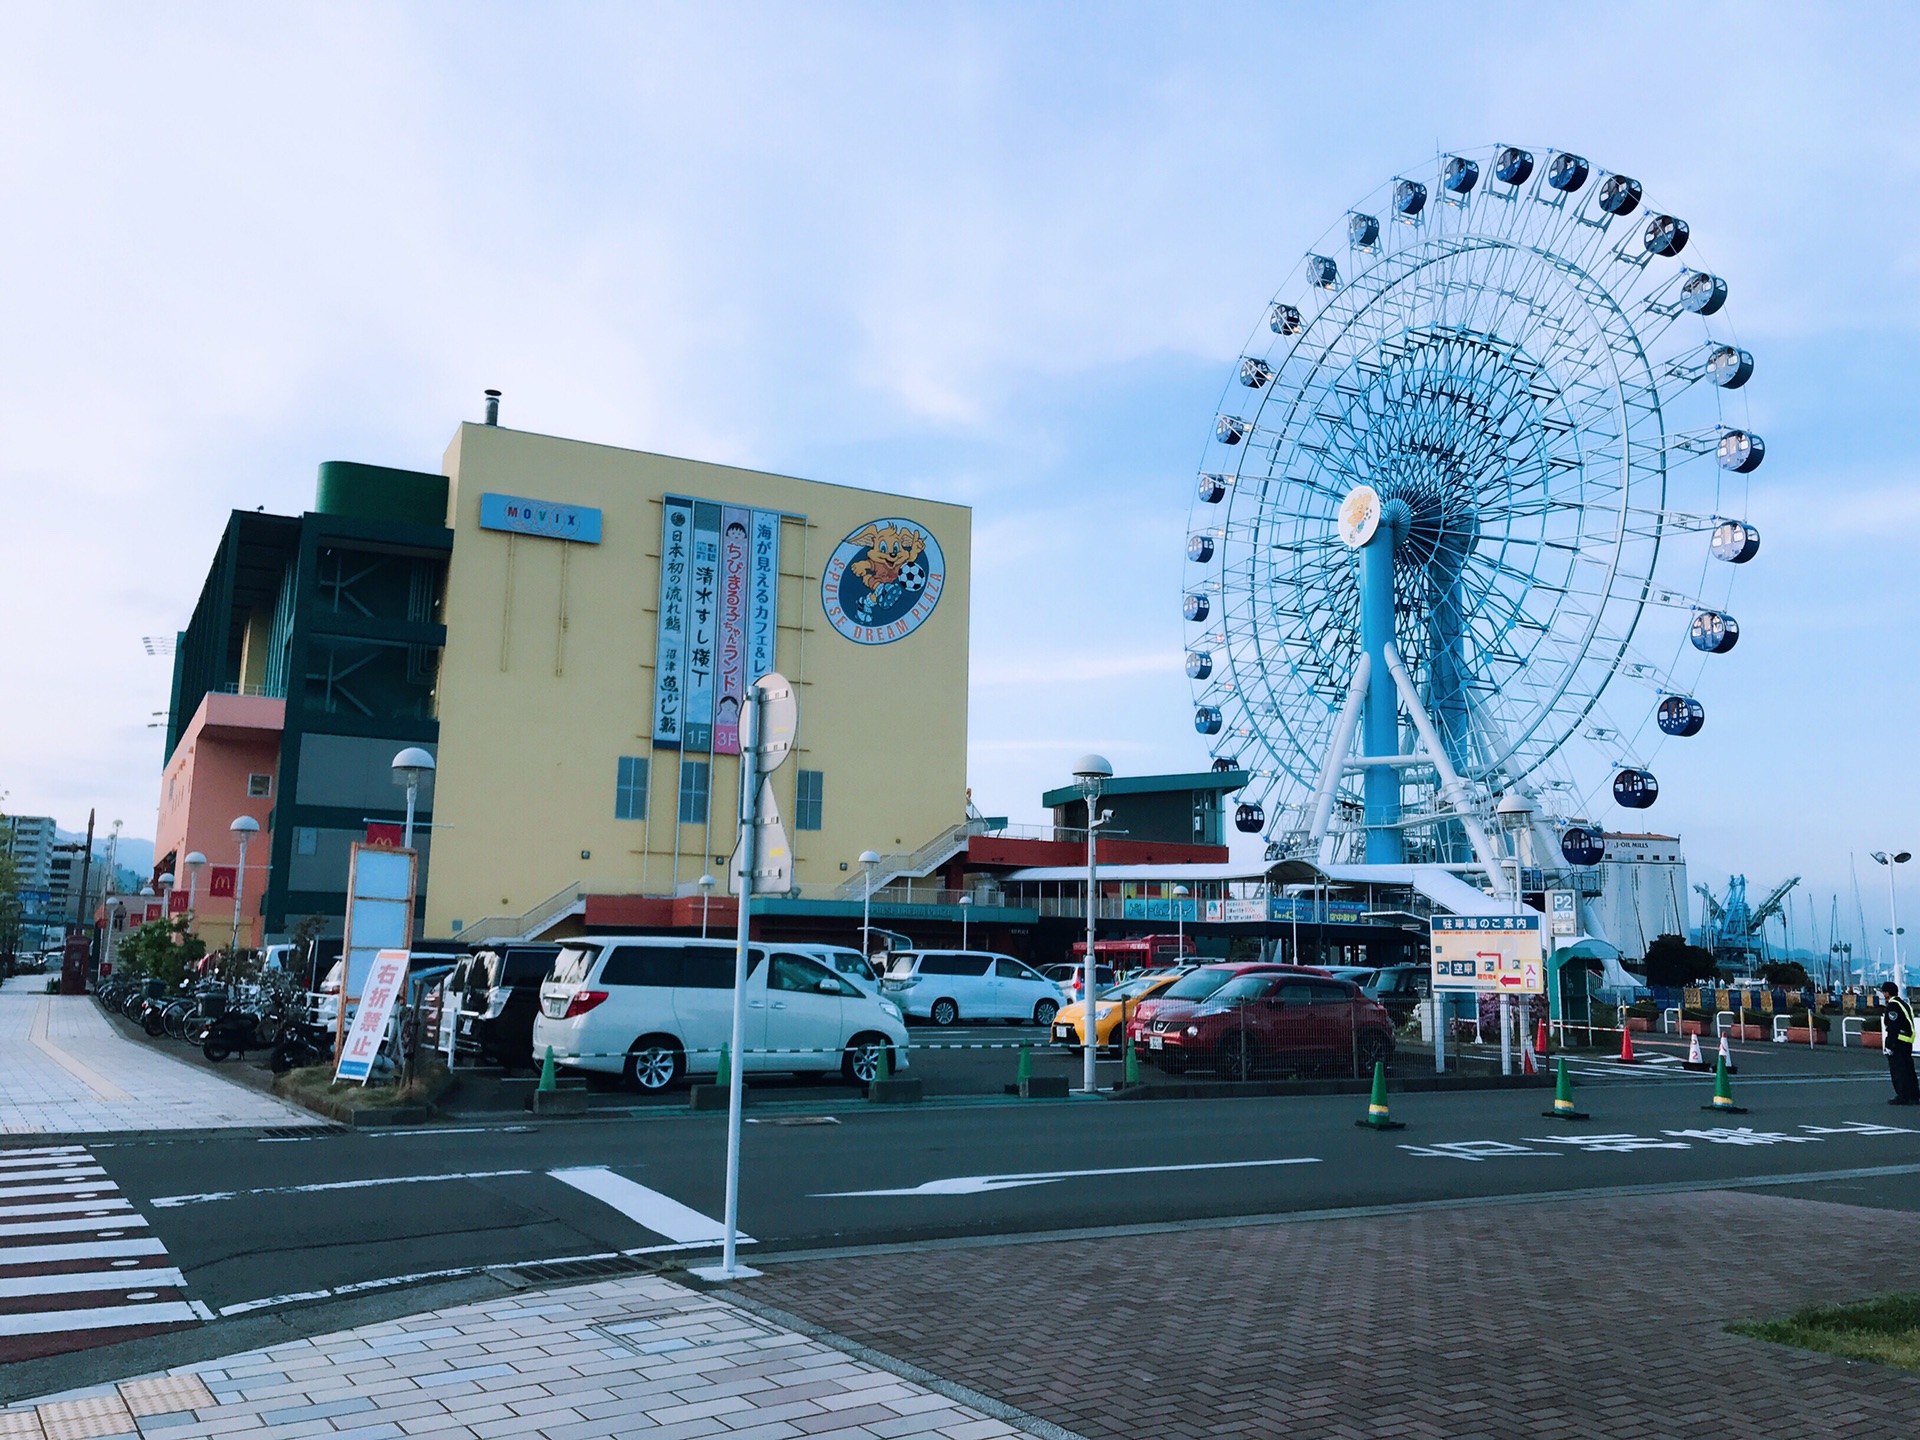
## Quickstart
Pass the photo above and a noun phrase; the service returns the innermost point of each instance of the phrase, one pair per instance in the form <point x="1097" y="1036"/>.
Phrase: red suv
<point x="1272" y="1020"/>
<point x="1195" y="989"/>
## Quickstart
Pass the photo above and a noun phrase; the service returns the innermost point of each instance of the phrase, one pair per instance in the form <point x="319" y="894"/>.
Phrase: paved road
<point x="281" y="1224"/>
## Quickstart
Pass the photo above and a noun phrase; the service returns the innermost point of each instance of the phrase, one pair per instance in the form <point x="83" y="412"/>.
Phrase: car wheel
<point x="861" y="1064"/>
<point x="1374" y="1049"/>
<point x="654" y="1064"/>
<point x="1236" y="1058"/>
<point x="1044" y="1012"/>
<point x="945" y="1012"/>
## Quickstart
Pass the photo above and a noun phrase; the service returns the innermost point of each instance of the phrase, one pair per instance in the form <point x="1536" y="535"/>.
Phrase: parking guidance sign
<point x="1485" y="953"/>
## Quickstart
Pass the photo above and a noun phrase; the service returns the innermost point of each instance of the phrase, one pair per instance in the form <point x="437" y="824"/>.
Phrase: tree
<point x="10" y="911"/>
<point x="1672" y="962"/>
<point x="162" y="949"/>
<point x="1787" y="974"/>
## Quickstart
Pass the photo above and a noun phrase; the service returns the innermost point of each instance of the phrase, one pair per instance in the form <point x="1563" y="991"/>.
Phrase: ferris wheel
<point x="1469" y="514"/>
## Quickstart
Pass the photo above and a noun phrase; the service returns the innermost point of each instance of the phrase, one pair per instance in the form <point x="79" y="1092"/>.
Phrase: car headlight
<point x="1193" y="1029"/>
<point x="890" y="1008"/>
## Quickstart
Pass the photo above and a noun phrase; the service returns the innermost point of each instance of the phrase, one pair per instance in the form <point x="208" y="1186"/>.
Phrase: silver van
<point x="948" y="986"/>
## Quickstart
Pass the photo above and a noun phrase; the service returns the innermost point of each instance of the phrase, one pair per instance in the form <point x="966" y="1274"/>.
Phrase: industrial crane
<point x="1735" y="931"/>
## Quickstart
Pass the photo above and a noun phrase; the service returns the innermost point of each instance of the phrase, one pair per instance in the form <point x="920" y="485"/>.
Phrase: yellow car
<point x="1115" y="1002"/>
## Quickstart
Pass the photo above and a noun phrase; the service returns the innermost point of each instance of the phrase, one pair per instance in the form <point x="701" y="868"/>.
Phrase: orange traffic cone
<point x="1693" y="1060"/>
<point x="1527" y="1067"/>
<point x="1626" y="1044"/>
<point x="1540" y="1041"/>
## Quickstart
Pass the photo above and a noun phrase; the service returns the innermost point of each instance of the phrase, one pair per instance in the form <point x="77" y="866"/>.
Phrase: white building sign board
<point x="1482" y="953"/>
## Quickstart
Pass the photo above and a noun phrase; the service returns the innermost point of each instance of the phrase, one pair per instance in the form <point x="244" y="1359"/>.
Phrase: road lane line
<point x="16" y="1286"/>
<point x="648" y="1209"/>
<point x="107" y="1317"/>
<point x="170" y="1202"/>
<point x="986" y="1184"/>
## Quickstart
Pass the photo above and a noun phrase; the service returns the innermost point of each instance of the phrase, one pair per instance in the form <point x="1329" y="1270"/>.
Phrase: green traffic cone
<point x="1130" y="1075"/>
<point x="884" y="1069"/>
<point x="1563" y="1097"/>
<point x="724" y="1074"/>
<point x="546" y="1070"/>
<point x="1377" y="1117"/>
<point x="1723" y="1093"/>
<point x="1025" y="1072"/>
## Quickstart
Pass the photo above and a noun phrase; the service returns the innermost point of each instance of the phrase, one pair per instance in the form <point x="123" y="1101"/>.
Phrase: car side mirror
<point x="828" y="987"/>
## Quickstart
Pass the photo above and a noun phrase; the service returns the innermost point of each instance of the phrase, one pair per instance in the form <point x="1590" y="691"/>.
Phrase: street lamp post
<point x="1180" y="893"/>
<point x="966" y="903"/>
<point x="411" y="766"/>
<point x="1090" y="774"/>
<point x="707" y="882"/>
<point x="868" y="860"/>
<point x="167" y="884"/>
<point x="1897" y="857"/>
<point x="245" y="827"/>
<point x="195" y="863"/>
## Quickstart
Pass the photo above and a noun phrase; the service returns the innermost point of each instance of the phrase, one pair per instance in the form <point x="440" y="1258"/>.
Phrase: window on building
<point x="693" y="792"/>
<point x="630" y="789"/>
<point x="807" y="802"/>
<point x="259" y="786"/>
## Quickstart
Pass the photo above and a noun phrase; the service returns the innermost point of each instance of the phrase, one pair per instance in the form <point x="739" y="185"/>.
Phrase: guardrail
<point x="1857" y="1020"/>
<point x="1674" y="1027"/>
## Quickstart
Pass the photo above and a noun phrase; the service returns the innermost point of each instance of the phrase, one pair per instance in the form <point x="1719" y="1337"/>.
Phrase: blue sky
<point x="1002" y="254"/>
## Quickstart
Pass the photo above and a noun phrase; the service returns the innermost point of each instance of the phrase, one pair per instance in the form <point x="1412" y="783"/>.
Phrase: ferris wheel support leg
<point x="1338" y="748"/>
<point x="1451" y="785"/>
<point x="1380" y="725"/>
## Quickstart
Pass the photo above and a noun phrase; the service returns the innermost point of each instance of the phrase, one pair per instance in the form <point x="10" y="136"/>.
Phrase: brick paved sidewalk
<point x="1536" y="1322"/>
<point x="637" y="1356"/>
<point x="64" y="1070"/>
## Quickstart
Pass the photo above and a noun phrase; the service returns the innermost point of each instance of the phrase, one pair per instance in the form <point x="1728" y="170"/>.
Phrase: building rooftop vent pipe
<point x="493" y="407"/>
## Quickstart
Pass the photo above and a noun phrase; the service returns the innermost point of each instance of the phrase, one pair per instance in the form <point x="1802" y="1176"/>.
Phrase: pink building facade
<point x="226" y="765"/>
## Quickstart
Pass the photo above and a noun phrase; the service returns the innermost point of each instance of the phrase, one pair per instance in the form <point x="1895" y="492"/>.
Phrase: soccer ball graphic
<point x="913" y="576"/>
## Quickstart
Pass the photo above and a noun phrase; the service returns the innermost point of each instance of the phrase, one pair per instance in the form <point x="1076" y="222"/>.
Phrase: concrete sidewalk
<point x="64" y="1070"/>
<point x="634" y="1356"/>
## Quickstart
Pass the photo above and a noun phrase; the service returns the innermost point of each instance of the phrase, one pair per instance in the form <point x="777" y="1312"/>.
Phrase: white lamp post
<point x="245" y="827"/>
<point x="966" y="902"/>
<point x="167" y="884"/>
<point x="1090" y="774"/>
<point x="1180" y="893"/>
<point x="707" y="882"/>
<point x="868" y="860"/>
<point x="1898" y="857"/>
<point x="410" y="766"/>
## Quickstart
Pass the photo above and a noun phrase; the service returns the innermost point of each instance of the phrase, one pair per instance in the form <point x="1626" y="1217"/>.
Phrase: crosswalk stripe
<point x="64" y="1207"/>
<point x="103" y="1225"/>
<point x="15" y="1287"/>
<point x="14" y="1154"/>
<point x="94" y="1250"/>
<point x="66" y="1172"/>
<point x="107" y="1317"/>
<point x="77" y="1187"/>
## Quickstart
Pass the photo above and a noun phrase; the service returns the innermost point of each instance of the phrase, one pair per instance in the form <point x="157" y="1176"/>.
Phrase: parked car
<point x="1196" y="987"/>
<point x="1400" y="988"/>
<point x="1113" y="1003"/>
<point x="1068" y="978"/>
<point x="948" y="986"/>
<point x="654" y="1010"/>
<point x="847" y="964"/>
<point x="498" y="991"/>
<point x="1285" y="1022"/>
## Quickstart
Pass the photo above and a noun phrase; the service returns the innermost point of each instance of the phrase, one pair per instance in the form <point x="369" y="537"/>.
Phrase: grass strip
<point x="1885" y="1329"/>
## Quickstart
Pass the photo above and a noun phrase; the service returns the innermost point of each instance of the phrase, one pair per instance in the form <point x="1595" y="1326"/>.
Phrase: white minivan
<point x="948" y="986"/>
<point x="655" y="1009"/>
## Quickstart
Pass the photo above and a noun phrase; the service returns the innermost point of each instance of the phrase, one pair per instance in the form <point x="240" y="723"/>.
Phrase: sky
<point x="1000" y="254"/>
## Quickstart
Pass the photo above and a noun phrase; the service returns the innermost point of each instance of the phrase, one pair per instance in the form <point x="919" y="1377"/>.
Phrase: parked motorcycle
<point x="232" y="1032"/>
<point x="299" y="1047"/>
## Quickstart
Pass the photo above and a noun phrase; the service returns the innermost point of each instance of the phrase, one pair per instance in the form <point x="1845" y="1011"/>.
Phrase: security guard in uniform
<point x="1896" y="1037"/>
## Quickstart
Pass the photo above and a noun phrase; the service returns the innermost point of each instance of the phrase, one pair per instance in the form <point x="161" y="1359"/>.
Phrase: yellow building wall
<point x="547" y="679"/>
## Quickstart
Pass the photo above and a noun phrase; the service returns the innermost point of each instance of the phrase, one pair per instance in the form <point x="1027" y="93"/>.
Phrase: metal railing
<point x="529" y="924"/>
<point x="943" y="847"/>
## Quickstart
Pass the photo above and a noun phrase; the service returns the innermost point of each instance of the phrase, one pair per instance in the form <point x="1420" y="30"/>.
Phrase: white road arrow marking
<point x="986" y="1184"/>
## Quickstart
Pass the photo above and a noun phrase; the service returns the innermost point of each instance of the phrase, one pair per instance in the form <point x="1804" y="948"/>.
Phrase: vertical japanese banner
<point x="735" y="543"/>
<point x="670" y="651"/>
<point x="763" y="585"/>
<point x="703" y="596"/>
